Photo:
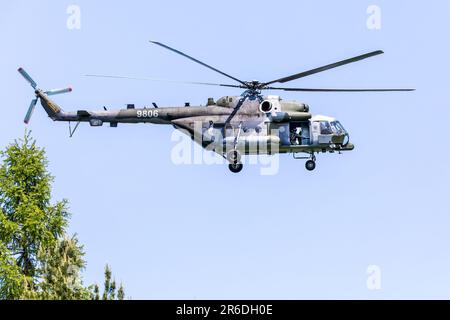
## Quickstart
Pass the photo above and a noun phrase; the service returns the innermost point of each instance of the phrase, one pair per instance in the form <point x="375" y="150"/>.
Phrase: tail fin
<point x="52" y="109"/>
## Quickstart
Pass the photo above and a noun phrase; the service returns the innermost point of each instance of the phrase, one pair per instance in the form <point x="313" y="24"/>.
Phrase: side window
<point x="325" y="128"/>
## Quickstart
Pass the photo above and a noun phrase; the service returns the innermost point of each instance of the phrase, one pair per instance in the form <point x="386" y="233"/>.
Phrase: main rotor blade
<point x="27" y="77"/>
<point x="165" y="80"/>
<point x="199" y="62"/>
<point x="338" y="90"/>
<point x="324" y="68"/>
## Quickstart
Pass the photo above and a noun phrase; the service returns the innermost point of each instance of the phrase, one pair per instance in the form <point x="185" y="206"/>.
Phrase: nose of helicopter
<point x="349" y="147"/>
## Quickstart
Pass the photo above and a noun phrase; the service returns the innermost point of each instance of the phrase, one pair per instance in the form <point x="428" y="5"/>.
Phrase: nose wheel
<point x="310" y="165"/>
<point x="235" y="167"/>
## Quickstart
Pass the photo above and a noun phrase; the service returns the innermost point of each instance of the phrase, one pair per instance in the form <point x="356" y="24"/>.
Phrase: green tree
<point x="37" y="259"/>
<point x="12" y="281"/>
<point x="61" y="271"/>
<point x="28" y="220"/>
<point x="110" y="291"/>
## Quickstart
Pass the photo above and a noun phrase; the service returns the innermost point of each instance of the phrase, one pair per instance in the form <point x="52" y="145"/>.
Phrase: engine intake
<point x="265" y="106"/>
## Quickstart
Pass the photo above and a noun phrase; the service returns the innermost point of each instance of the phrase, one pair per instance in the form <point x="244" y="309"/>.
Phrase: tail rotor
<point x="57" y="91"/>
<point x="30" y="111"/>
<point x="27" y="77"/>
<point x="39" y="94"/>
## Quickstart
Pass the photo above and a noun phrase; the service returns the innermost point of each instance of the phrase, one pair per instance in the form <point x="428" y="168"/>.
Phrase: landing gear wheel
<point x="234" y="156"/>
<point x="310" y="165"/>
<point x="235" y="167"/>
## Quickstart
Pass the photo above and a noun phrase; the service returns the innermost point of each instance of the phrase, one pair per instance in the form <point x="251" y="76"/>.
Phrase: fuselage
<point x="262" y="125"/>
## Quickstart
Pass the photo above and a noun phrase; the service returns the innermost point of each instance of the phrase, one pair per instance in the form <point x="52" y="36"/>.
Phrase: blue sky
<point x="198" y="231"/>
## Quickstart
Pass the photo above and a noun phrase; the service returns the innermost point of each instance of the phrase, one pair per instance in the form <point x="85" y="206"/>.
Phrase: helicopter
<point x="232" y="126"/>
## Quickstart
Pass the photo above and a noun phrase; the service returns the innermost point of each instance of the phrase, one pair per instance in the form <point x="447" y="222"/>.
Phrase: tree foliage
<point x="28" y="221"/>
<point x="37" y="259"/>
<point x="110" y="291"/>
<point x="61" y="271"/>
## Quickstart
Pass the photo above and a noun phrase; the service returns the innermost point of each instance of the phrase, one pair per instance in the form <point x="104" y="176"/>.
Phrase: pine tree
<point x="110" y="291"/>
<point x="61" y="278"/>
<point x="121" y="293"/>
<point x="96" y="293"/>
<point x="28" y="220"/>
<point x="37" y="259"/>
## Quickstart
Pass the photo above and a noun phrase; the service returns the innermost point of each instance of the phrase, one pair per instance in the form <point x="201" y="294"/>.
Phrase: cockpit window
<point x="337" y="127"/>
<point x="325" y="128"/>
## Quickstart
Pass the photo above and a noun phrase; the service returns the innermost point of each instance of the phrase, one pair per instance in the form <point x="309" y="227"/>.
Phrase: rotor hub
<point x="254" y="85"/>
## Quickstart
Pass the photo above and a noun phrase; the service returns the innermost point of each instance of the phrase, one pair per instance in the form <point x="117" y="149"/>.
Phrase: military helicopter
<point x="232" y="126"/>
